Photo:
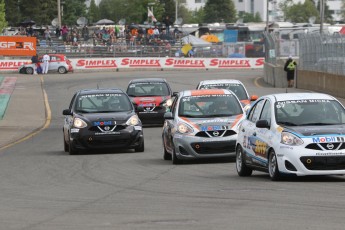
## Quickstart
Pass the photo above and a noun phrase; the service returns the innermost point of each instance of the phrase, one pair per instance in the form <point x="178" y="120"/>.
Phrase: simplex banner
<point x="156" y="63"/>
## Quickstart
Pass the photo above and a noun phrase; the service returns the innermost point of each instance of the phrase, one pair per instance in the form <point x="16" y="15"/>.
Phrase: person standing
<point x="167" y="23"/>
<point x="289" y="68"/>
<point x="34" y="60"/>
<point x="46" y="59"/>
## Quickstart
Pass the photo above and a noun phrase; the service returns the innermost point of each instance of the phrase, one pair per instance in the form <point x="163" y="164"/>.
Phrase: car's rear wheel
<point x="62" y="70"/>
<point x="241" y="167"/>
<point x="140" y="148"/>
<point x="29" y="70"/>
<point x="273" y="169"/>
<point x="175" y="160"/>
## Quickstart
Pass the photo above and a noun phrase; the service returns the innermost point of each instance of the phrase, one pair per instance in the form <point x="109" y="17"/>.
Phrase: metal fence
<point x="324" y="53"/>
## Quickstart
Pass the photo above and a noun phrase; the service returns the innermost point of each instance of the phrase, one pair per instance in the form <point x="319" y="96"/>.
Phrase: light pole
<point x="176" y="9"/>
<point x="59" y="12"/>
<point x="322" y="15"/>
<point x="267" y="14"/>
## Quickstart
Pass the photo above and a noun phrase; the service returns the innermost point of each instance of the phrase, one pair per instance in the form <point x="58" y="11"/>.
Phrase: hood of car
<point x="119" y="117"/>
<point x="214" y="123"/>
<point x="319" y="130"/>
<point x="149" y="101"/>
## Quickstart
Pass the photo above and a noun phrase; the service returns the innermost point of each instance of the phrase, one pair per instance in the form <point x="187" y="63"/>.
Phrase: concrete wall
<point x="310" y="80"/>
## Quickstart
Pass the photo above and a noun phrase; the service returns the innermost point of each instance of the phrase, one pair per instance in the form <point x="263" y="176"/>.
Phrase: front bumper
<point x="303" y="162"/>
<point x="127" y="138"/>
<point x="192" y="147"/>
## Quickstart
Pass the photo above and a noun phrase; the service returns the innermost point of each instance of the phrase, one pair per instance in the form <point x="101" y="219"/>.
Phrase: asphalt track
<point x="44" y="188"/>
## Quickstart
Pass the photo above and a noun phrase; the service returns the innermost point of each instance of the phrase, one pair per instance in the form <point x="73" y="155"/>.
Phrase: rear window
<point x="142" y="89"/>
<point x="238" y="89"/>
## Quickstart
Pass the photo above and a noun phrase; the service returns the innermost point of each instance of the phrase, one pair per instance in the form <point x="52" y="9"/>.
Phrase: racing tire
<point x="62" y="70"/>
<point x="273" y="169"/>
<point x="65" y="144"/>
<point x="140" y="148"/>
<point x="29" y="70"/>
<point x="241" y="167"/>
<point x="166" y="156"/>
<point x="72" y="150"/>
<point x="175" y="160"/>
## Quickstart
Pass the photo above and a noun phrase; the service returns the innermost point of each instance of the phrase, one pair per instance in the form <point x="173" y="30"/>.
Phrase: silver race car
<point x="202" y="124"/>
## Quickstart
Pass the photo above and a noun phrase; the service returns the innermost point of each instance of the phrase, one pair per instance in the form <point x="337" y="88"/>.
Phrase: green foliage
<point x="72" y="10"/>
<point x="219" y="10"/>
<point x="299" y="12"/>
<point x="13" y="15"/>
<point x="3" y="22"/>
<point x="93" y="14"/>
<point x="328" y="18"/>
<point x="248" y="17"/>
<point x="41" y="11"/>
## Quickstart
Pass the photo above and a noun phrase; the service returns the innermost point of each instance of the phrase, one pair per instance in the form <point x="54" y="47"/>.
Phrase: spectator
<point x="64" y="32"/>
<point x="85" y="33"/>
<point x="57" y="32"/>
<point x="167" y="22"/>
<point x="289" y="68"/>
<point x="34" y="60"/>
<point x="238" y="53"/>
<point x="30" y="31"/>
<point x="150" y="32"/>
<point x="156" y="32"/>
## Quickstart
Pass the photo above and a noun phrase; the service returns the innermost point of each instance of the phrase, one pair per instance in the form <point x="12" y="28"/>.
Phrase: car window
<point x="142" y="89"/>
<point x="309" y="112"/>
<point x="72" y="101"/>
<point x="266" y="112"/>
<point x="209" y="106"/>
<point x="255" y="111"/>
<point x="103" y="103"/>
<point x="173" y="106"/>
<point x="237" y="89"/>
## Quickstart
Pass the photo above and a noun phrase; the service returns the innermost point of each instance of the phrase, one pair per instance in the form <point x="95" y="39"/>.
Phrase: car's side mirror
<point x="168" y="116"/>
<point x="140" y="109"/>
<point x="175" y="94"/>
<point x="262" y="124"/>
<point x="254" y="97"/>
<point x="67" y="112"/>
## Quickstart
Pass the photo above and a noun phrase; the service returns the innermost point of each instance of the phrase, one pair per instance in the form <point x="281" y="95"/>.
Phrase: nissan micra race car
<point x="235" y="86"/>
<point x="201" y="124"/>
<point x="153" y="95"/>
<point x="101" y="119"/>
<point x="293" y="133"/>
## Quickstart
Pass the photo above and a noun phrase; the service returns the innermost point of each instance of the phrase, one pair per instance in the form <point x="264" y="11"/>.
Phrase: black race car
<point x="101" y="119"/>
<point x="153" y="95"/>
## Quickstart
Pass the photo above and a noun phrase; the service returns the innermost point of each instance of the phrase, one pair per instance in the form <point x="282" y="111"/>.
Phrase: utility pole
<point x="267" y="15"/>
<point x="322" y="15"/>
<point x="59" y="12"/>
<point x="176" y="9"/>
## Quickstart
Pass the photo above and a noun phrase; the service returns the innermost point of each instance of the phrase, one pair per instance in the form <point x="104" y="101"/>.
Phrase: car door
<point x="169" y="127"/>
<point x="249" y="140"/>
<point x="68" y="120"/>
<point x="54" y="63"/>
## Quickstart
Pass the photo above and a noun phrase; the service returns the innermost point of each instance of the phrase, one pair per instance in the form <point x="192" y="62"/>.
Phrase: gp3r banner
<point x="17" y="46"/>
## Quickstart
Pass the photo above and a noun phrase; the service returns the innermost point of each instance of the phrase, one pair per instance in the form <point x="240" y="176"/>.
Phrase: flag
<point x="150" y="15"/>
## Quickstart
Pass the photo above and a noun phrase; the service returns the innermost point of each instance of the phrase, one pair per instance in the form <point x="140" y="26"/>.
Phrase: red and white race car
<point x="153" y="95"/>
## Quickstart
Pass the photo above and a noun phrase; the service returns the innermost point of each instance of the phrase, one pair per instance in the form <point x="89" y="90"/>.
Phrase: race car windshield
<point x="209" y="106"/>
<point x="309" y="112"/>
<point x="144" y="89"/>
<point x="103" y="103"/>
<point x="238" y="89"/>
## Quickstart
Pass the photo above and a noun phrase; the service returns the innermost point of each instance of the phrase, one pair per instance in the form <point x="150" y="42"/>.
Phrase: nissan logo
<point x="216" y="133"/>
<point x="106" y="128"/>
<point x="330" y="146"/>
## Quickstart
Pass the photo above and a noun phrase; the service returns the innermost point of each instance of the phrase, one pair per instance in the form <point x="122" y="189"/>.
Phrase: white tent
<point x="190" y="39"/>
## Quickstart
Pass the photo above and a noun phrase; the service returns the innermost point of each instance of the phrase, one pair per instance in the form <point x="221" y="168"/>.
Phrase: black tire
<point x="141" y="147"/>
<point x="166" y="156"/>
<point x="62" y="70"/>
<point x="72" y="150"/>
<point x="29" y="70"/>
<point x="241" y="167"/>
<point x="175" y="160"/>
<point x="273" y="169"/>
<point x="65" y="144"/>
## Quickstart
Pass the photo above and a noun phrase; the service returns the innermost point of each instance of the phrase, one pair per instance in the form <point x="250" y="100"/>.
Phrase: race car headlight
<point x="290" y="139"/>
<point x="184" y="128"/>
<point x="79" y="123"/>
<point x="133" y="120"/>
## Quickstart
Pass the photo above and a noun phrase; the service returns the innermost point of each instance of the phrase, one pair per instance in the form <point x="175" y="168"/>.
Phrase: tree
<point x="3" y="22"/>
<point x="248" y="17"/>
<point x="93" y="14"/>
<point x="219" y="10"/>
<point x="72" y="10"/>
<point x="13" y="15"/>
<point x="43" y="12"/>
<point x="301" y="12"/>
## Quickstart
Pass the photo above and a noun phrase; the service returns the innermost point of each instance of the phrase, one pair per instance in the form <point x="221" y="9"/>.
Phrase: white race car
<point x="294" y="133"/>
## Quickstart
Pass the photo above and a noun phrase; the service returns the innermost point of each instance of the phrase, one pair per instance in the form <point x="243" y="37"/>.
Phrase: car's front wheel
<point x="65" y="144"/>
<point x="140" y="148"/>
<point x="241" y="167"/>
<point x="62" y="70"/>
<point x="29" y="70"/>
<point x="273" y="169"/>
<point x="71" y="149"/>
<point x="175" y="160"/>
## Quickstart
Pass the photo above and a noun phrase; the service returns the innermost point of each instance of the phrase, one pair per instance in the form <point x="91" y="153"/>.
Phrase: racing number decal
<point x="260" y="148"/>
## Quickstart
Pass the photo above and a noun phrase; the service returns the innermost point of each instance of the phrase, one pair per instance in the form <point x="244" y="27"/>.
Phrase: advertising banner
<point x="17" y="46"/>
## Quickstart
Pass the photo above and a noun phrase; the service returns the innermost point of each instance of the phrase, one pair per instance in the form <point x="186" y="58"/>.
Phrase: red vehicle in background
<point x="153" y="97"/>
